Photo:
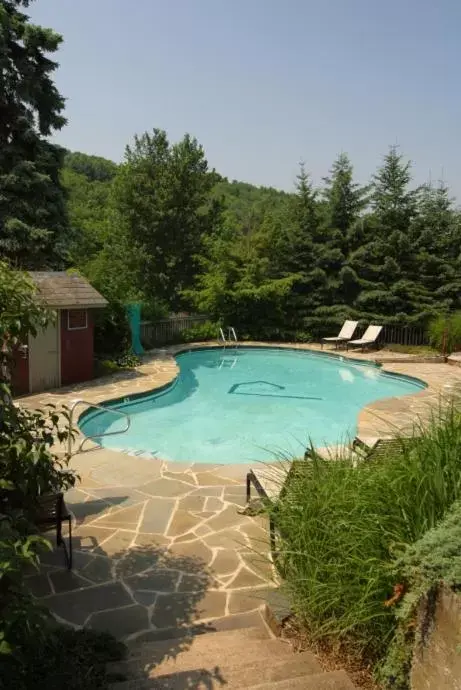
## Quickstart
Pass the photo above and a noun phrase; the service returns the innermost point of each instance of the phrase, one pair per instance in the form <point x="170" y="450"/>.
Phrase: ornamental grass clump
<point x="342" y="524"/>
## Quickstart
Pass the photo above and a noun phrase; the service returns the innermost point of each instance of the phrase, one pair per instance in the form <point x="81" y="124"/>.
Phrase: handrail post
<point x="99" y="407"/>
<point x="70" y="439"/>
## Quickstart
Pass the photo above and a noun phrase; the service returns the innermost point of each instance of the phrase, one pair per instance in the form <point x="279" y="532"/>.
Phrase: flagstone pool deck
<point x="161" y="546"/>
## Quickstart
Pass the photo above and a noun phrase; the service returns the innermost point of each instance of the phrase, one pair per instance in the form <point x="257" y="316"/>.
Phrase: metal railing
<point x="93" y="436"/>
<point x="404" y="335"/>
<point x="231" y="336"/>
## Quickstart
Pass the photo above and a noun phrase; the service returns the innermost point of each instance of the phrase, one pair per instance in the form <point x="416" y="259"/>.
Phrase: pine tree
<point x="297" y="254"/>
<point x="385" y="262"/>
<point x="394" y="204"/>
<point x="33" y="219"/>
<point x="435" y="234"/>
<point x="344" y="201"/>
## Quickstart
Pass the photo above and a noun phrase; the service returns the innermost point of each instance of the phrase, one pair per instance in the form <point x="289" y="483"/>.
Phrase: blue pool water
<point x="248" y="404"/>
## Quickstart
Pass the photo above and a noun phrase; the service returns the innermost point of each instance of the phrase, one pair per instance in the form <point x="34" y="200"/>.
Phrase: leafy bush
<point x="21" y="618"/>
<point x="63" y="658"/>
<point x="276" y="335"/>
<point x="200" y="333"/>
<point x="112" y="335"/>
<point x="28" y="469"/>
<point x="302" y="337"/>
<point x="341" y="526"/>
<point x="445" y="332"/>
<point x="128" y="360"/>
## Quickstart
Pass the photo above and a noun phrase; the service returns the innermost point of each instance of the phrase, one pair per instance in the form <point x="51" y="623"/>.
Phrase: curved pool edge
<point x="363" y="418"/>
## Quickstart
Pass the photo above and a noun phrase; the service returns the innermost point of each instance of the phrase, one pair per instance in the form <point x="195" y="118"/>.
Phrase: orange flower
<point x="399" y="591"/>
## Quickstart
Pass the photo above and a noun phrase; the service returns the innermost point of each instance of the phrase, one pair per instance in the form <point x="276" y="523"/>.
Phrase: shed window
<point x="77" y="319"/>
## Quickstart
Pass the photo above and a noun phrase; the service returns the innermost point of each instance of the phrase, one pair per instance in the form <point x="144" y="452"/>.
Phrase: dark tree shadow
<point x="161" y="591"/>
<point x="173" y="588"/>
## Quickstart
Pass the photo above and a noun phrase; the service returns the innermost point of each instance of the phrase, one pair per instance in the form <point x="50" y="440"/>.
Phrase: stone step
<point x="211" y="643"/>
<point x="213" y="655"/>
<point x="233" y="671"/>
<point x="236" y="621"/>
<point x="241" y="653"/>
<point x="333" y="680"/>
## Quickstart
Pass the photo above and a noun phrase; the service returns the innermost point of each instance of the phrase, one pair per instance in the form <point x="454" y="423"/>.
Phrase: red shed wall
<point x="76" y="351"/>
<point x="20" y="373"/>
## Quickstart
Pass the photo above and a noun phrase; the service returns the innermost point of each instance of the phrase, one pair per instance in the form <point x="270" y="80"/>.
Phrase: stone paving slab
<point x="143" y="566"/>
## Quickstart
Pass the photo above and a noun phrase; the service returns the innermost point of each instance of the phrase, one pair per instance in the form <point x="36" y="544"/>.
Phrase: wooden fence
<point x="168" y="330"/>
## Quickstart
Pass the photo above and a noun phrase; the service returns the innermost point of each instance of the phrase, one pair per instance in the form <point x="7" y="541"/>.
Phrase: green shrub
<point x="200" y="333"/>
<point x="302" y="337"/>
<point x="105" y="367"/>
<point x="128" y="360"/>
<point x="21" y="618"/>
<point x="341" y="526"/>
<point x="112" y="335"/>
<point x="61" y="658"/>
<point x="276" y="335"/>
<point x="28" y="468"/>
<point x="445" y="332"/>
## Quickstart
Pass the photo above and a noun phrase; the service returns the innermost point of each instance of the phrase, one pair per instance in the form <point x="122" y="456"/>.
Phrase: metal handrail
<point x="232" y="332"/>
<point x="221" y="333"/>
<point x="93" y="436"/>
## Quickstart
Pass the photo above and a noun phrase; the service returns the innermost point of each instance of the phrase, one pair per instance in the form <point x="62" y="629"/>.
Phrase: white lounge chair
<point x="369" y="337"/>
<point x="345" y="334"/>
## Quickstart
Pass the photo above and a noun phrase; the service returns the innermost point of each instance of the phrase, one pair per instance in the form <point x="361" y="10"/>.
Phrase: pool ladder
<point x="231" y="336"/>
<point x="93" y="436"/>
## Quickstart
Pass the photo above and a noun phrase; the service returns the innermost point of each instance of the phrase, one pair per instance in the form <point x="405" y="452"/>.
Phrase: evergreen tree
<point x="394" y="204"/>
<point x="435" y="234"/>
<point x="385" y="261"/>
<point x="296" y="244"/>
<point x="33" y="219"/>
<point x="344" y="201"/>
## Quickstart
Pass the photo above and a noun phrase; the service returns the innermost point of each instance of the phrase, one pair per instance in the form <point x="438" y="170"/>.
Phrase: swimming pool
<point x="236" y="406"/>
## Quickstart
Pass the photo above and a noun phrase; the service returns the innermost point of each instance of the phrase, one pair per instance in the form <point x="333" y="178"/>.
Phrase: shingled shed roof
<point x="61" y="290"/>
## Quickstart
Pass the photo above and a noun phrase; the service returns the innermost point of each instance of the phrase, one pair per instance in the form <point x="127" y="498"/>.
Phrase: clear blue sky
<point x="265" y="83"/>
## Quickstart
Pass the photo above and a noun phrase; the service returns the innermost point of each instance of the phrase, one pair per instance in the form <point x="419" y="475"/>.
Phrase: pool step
<point x="136" y="452"/>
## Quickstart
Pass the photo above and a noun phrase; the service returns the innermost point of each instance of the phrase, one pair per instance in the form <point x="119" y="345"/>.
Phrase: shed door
<point x="44" y="359"/>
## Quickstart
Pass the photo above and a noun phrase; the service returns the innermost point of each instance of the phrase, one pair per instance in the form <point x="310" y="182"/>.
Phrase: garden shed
<point x="62" y="354"/>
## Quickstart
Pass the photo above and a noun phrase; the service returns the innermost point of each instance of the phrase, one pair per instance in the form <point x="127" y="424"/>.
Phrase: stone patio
<point x="160" y="545"/>
<point x="156" y="546"/>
